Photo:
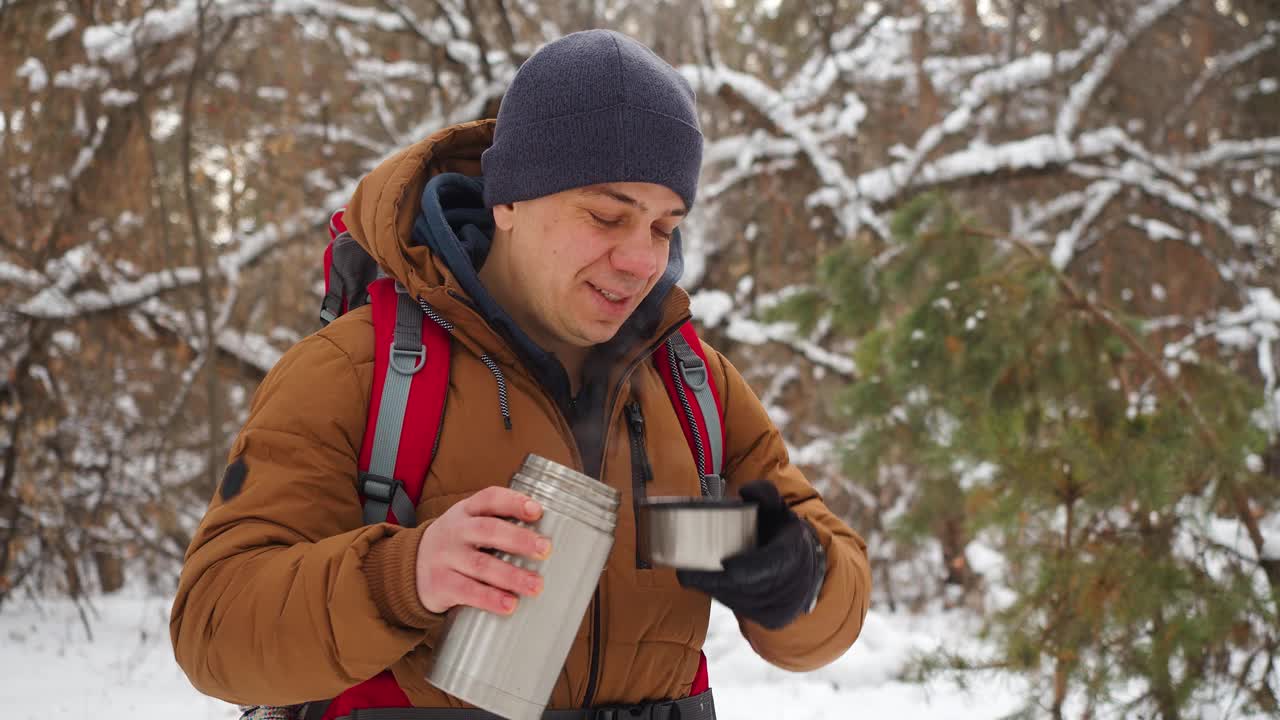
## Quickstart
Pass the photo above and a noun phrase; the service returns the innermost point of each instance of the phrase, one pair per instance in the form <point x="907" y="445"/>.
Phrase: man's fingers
<point x="503" y="502"/>
<point x="498" y="573"/>
<point x="463" y="590"/>
<point x="498" y="534"/>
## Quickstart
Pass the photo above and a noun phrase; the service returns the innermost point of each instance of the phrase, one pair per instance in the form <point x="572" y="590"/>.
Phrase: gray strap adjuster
<point x="712" y="486"/>
<point x="382" y="494"/>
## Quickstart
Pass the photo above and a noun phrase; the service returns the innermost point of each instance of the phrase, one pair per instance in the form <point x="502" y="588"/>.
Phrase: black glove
<point x="778" y="579"/>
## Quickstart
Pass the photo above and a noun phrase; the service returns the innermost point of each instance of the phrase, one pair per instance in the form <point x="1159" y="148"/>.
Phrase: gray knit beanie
<point x="593" y="107"/>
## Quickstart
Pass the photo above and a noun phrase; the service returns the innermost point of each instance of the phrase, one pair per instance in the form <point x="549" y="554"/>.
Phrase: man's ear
<point x="504" y="216"/>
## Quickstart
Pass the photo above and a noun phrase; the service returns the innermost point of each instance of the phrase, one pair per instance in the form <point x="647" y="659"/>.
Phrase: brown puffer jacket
<point x="286" y="597"/>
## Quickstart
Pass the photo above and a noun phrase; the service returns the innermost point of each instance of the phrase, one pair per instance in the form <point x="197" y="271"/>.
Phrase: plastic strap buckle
<point x="329" y="307"/>
<point x="378" y="488"/>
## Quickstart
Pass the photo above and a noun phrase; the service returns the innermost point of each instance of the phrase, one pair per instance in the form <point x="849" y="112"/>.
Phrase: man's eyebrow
<point x="626" y="199"/>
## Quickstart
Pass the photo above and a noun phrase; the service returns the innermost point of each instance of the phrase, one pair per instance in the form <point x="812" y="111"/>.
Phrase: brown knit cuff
<point x="390" y="569"/>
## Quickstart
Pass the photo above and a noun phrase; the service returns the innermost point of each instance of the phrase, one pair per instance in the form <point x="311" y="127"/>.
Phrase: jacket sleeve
<point x="285" y="596"/>
<point x="754" y="450"/>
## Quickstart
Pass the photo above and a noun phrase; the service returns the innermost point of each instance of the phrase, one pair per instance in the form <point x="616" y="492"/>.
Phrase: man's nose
<point x="638" y="255"/>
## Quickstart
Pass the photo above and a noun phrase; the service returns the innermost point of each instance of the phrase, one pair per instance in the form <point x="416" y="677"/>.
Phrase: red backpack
<point x="411" y="376"/>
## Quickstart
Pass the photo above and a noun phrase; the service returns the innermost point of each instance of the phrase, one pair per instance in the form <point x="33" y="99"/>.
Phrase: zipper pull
<point x="635" y="417"/>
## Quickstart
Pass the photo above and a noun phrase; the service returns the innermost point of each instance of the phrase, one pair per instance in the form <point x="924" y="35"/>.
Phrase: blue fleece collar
<point x="455" y="224"/>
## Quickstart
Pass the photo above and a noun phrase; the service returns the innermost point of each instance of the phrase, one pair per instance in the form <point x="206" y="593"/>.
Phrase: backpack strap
<point x="683" y="366"/>
<point x="406" y="405"/>
<point x="410" y="380"/>
<point x="684" y="370"/>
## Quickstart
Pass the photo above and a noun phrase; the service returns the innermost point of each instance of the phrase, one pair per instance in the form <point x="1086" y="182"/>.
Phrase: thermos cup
<point x="508" y="664"/>
<point x="695" y="533"/>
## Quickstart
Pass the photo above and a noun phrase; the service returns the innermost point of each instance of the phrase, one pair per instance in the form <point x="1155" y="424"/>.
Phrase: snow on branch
<point x="1215" y="68"/>
<point x="53" y="303"/>
<point x="427" y="31"/>
<point x="1268" y="199"/>
<point x="716" y="307"/>
<point x="340" y="134"/>
<point x="1256" y="326"/>
<point x="255" y="245"/>
<point x="1027" y="223"/>
<point x="252" y="349"/>
<point x="16" y="275"/>
<point x="481" y="96"/>
<point x="742" y="150"/>
<point x="782" y="114"/>
<point x="887" y="183"/>
<point x="1171" y="168"/>
<point x="817" y="76"/>
<point x="753" y="332"/>
<point x="87" y="153"/>
<point x="1018" y="75"/>
<point x="1034" y="69"/>
<point x="56" y="301"/>
<point x="1135" y="174"/>
<point x="1082" y="92"/>
<point x="738" y="174"/>
<point x="1100" y="195"/>
<point x="1228" y="150"/>
<point x="115" y="43"/>
<point x="1157" y="230"/>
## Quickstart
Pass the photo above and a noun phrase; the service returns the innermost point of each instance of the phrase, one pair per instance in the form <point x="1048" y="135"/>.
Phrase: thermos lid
<point x="565" y="490"/>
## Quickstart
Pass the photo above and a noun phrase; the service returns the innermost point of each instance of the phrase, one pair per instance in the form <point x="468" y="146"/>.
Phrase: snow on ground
<point x="50" y="669"/>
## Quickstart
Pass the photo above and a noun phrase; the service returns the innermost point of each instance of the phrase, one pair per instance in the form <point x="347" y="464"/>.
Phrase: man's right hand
<point x="452" y="568"/>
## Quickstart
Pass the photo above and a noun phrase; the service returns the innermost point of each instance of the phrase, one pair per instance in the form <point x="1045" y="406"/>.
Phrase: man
<point x="549" y="243"/>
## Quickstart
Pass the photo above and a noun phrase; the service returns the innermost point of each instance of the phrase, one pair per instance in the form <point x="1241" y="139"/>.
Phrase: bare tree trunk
<point x="928" y="97"/>
<point x="477" y="35"/>
<point x="974" y="31"/>
<point x="1059" y="687"/>
<point x="505" y="25"/>
<point x="202" y="254"/>
<point x="1010" y="52"/>
<point x="9" y="469"/>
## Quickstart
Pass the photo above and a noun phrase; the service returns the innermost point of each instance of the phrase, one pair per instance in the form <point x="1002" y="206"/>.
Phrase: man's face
<point x="578" y="263"/>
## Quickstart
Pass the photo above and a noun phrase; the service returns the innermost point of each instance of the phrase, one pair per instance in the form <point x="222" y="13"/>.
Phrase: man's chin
<point x="601" y="334"/>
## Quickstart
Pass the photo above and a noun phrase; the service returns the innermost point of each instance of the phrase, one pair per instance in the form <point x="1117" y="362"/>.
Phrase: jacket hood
<point x="421" y="216"/>
<point x="385" y="205"/>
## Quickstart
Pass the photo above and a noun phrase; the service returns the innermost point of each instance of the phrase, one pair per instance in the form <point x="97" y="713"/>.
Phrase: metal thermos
<point x="509" y="664"/>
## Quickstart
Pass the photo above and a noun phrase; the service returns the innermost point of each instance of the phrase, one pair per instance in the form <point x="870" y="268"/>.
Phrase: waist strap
<point x="698" y="707"/>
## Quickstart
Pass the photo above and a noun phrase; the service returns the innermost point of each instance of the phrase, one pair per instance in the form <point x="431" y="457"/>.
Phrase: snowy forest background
<point x="1004" y="271"/>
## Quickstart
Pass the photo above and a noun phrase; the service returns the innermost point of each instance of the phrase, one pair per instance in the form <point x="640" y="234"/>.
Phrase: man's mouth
<point x="612" y="297"/>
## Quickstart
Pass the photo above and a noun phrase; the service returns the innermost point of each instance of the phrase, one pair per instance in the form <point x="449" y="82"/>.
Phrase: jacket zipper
<point x="596" y="624"/>
<point x="641" y="472"/>
<point x="594" y="673"/>
<point x="596" y="628"/>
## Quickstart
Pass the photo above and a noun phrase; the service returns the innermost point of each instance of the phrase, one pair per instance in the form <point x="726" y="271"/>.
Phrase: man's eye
<point x="606" y="222"/>
<point x="664" y="234"/>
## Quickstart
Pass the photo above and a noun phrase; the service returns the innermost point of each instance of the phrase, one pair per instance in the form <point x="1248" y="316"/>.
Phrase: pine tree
<point x="1115" y="484"/>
